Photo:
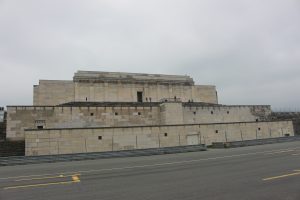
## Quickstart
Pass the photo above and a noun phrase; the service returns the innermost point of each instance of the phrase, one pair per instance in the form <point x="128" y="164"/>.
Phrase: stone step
<point x="12" y="148"/>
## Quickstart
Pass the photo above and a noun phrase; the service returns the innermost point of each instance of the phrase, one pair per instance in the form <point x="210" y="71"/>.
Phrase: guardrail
<point x="254" y="142"/>
<point x="24" y="160"/>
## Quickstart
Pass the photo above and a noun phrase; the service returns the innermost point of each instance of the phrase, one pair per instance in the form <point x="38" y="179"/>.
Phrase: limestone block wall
<point x="26" y="117"/>
<point x="205" y="93"/>
<point x="118" y="92"/>
<point x="171" y="113"/>
<point x="50" y="93"/>
<point x="64" y="141"/>
<point x="216" y="114"/>
<point x="53" y="92"/>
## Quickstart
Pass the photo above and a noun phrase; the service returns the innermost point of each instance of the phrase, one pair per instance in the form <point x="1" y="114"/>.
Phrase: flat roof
<point x="92" y="76"/>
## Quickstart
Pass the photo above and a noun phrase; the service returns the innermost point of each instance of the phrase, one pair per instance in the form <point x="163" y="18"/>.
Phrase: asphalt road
<point x="257" y="172"/>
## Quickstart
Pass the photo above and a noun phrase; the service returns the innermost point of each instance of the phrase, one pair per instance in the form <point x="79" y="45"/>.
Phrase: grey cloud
<point x="250" y="49"/>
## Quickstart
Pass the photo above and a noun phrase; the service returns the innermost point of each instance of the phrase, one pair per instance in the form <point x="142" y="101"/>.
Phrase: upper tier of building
<point x="91" y="86"/>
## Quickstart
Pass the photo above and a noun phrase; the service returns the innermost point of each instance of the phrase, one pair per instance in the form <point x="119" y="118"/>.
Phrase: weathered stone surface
<point x="164" y="113"/>
<point x="121" y="87"/>
<point x="21" y="118"/>
<point x="115" y="139"/>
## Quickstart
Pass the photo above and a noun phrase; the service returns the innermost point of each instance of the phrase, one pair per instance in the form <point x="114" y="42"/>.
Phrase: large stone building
<point x="105" y="111"/>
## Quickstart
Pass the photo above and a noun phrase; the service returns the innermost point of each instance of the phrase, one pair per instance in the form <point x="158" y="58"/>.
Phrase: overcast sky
<point x="249" y="49"/>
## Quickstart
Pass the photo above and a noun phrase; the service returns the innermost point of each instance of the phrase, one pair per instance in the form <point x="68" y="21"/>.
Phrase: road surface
<point x="257" y="172"/>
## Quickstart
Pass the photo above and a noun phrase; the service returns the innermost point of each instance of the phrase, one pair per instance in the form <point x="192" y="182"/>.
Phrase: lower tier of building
<point x="101" y="139"/>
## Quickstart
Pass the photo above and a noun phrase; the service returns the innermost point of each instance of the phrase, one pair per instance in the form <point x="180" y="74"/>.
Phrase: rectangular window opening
<point x="139" y="97"/>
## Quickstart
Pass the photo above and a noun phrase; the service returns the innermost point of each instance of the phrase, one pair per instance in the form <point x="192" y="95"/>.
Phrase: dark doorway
<point x="139" y="96"/>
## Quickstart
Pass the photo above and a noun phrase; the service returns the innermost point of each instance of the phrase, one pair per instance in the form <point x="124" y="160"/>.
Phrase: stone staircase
<point x="2" y="131"/>
<point x="12" y="148"/>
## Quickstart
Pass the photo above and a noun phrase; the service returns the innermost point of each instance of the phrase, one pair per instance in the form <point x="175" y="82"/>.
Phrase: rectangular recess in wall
<point x="139" y="96"/>
<point x="39" y="124"/>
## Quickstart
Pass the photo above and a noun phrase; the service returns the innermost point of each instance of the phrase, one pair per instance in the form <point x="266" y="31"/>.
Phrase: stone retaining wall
<point x="79" y="115"/>
<point x="65" y="141"/>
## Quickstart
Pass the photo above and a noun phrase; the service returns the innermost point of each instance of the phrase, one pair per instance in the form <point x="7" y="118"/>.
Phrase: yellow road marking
<point x="281" y="176"/>
<point x="41" y="184"/>
<point x="46" y="177"/>
<point x="36" y="175"/>
<point x="75" y="179"/>
<point x="40" y="178"/>
<point x="279" y="152"/>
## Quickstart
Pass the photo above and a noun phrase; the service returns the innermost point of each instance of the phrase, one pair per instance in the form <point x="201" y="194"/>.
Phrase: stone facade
<point x="67" y="141"/>
<point x="121" y="87"/>
<point x="50" y="92"/>
<point x="195" y="113"/>
<point x="125" y="114"/>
